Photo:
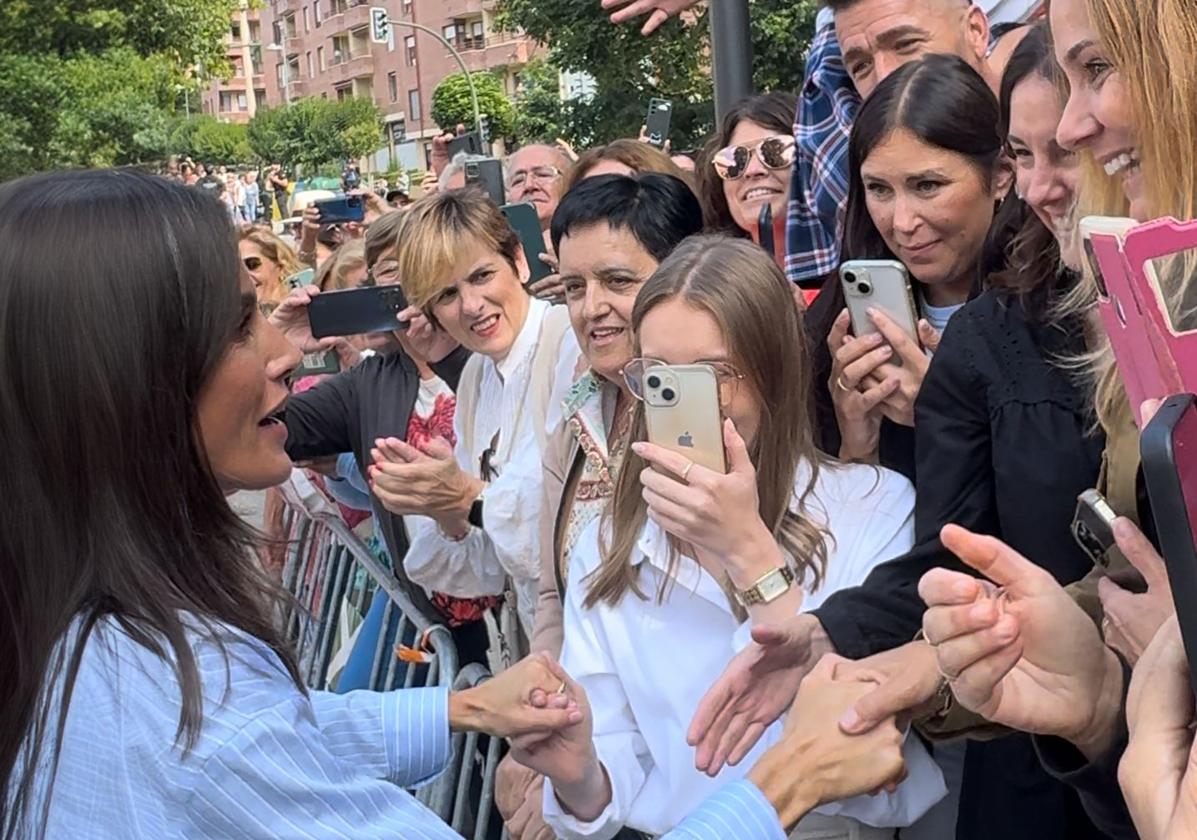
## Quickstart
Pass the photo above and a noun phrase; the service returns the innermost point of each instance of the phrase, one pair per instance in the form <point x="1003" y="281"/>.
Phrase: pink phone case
<point x="1154" y="361"/>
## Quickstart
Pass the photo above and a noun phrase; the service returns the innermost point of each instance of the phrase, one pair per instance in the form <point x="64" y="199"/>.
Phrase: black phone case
<point x="656" y="124"/>
<point x="356" y="311"/>
<point x="765" y="224"/>
<point x="470" y="143"/>
<point x="1166" y="450"/>
<point x="523" y="220"/>
<point x="488" y="174"/>
<point x="350" y="208"/>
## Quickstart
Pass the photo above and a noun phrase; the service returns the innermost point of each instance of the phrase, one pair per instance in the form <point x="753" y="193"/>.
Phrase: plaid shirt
<point x="819" y="183"/>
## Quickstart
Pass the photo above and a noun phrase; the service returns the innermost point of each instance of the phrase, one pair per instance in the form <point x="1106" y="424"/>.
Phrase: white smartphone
<point x="883" y="285"/>
<point x="681" y="410"/>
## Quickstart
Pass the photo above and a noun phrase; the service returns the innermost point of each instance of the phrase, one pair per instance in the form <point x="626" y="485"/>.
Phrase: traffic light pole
<point x="731" y="53"/>
<point x="460" y="63"/>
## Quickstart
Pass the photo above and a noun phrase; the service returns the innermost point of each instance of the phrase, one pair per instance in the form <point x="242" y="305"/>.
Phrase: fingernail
<point x="850" y="721"/>
<point x="1005" y="630"/>
<point x="638" y="447"/>
<point x="886" y="350"/>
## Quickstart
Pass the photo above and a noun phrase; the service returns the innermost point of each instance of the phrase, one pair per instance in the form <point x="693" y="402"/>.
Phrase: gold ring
<point x="686" y="471"/>
<point x="561" y="688"/>
<point x="839" y="383"/>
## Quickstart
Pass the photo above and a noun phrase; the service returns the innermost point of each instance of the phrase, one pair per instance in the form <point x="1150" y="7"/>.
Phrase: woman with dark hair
<point x="746" y="165"/>
<point x="928" y="172"/>
<point x="147" y="690"/>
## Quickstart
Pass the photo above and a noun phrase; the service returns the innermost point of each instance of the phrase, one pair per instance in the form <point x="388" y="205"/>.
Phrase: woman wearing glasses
<point x="686" y="559"/>
<point x="269" y="261"/>
<point x="481" y="498"/>
<point x="747" y="165"/>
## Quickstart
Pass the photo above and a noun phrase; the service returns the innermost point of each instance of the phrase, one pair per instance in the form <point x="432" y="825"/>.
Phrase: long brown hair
<point x="743" y="290"/>
<point x="114" y="515"/>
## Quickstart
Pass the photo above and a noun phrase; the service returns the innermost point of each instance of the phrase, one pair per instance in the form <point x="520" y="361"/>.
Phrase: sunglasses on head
<point x="776" y="152"/>
<point x="252" y="263"/>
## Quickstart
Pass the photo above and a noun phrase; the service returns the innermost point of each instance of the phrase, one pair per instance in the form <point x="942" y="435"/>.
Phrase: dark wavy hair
<point x="119" y="297"/>
<point x="775" y="111"/>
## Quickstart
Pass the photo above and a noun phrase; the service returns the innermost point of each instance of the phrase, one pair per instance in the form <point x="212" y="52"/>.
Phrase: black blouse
<point x="1004" y="444"/>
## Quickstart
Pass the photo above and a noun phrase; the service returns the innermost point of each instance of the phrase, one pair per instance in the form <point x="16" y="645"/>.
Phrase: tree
<point x="630" y="69"/>
<point x="539" y="112"/>
<point x="312" y="132"/>
<point x="451" y="103"/>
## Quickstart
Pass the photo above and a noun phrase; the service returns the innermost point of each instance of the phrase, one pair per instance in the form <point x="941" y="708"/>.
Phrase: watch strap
<point x="768" y="587"/>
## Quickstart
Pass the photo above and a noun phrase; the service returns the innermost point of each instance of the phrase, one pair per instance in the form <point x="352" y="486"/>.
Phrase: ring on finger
<point x="948" y="678"/>
<point x="839" y="383"/>
<point x="686" y="471"/>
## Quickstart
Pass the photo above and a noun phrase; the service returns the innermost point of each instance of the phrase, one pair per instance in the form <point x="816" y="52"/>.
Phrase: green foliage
<point x="630" y="69"/>
<point x="89" y="110"/>
<point x="186" y="31"/>
<point x="539" y="112"/>
<point x="313" y="132"/>
<point x="207" y="139"/>
<point x="451" y="103"/>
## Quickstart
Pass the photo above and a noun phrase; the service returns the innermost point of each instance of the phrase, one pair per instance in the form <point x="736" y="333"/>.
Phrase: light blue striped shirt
<point x="269" y="762"/>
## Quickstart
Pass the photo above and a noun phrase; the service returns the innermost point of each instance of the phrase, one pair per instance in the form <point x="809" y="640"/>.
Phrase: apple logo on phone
<point x="686" y="440"/>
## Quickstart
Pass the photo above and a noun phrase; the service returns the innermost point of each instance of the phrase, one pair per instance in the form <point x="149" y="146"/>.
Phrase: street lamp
<point x="278" y="48"/>
<point x="380" y="20"/>
<point x="186" y="98"/>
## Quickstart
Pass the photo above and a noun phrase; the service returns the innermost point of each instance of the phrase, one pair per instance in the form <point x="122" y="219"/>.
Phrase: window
<point x="255" y="31"/>
<point x="235" y="32"/>
<point x="320" y="58"/>
<point x="340" y="49"/>
<point x="260" y="98"/>
<point x="450" y="33"/>
<point x="307" y="24"/>
<point x="311" y="66"/>
<point x="409" y="44"/>
<point x="238" y="67"/>
<point x="476" y="39"/>
<point x="233" y="101"/>
<point x="316" y="13"/>
<point x="255" y="57"/>
<point x="407" y="7"/>
<point x="393" y="86"/>
<point x="413" y="104"/>
<point x="344" y="92"/>
<point x="279" y="75"/>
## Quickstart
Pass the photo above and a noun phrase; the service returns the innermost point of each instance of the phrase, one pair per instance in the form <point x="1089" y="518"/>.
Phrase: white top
<point x="645" y="665"/>
<point x="510" y="398"/>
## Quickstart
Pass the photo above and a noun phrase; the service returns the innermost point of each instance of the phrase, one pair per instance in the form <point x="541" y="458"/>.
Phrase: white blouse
<point x="645" y="666"/>
<point x="509" y="399"/>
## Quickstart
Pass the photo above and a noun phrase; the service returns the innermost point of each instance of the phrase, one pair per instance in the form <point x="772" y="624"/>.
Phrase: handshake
<point x="551" y="731"/>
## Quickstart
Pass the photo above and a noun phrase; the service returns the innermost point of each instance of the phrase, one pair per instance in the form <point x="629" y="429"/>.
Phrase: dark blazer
<point x="347" y="412"/>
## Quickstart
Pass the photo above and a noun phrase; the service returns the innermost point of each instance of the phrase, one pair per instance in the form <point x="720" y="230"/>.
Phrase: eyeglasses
<point x="540" y="173"/>
<point x="638" y="373"/>
<point x="252" y="263"/>
<point x="776" y="152"/>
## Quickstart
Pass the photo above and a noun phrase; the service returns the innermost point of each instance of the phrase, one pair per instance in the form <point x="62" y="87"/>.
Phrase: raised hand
<point x="425" y="339"/>
<point x="856" y="397"/>
<point x="1025" y="656"/>
<point x="1158" y="771"/>
<point x="658" y="11"/>
<point x="424" y="481"/>
<point x="1132" y="619"/>
<point x="815" y="762"/>
<point x="291" y="319"/>
<point x="755" y="689"/>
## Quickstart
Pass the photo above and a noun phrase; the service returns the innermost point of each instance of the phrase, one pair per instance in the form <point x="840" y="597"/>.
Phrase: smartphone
<point x="656" y="124"/>
<point x="348" y="208"/>
<point x="488" y="174"/>
<point x="314" y="364"/>
<point x="469" y="143"/>
<point x="1093" y="526"/>
<point x="681" y="410"/>
<point x="884" y="285"/>
<point x="367" y="309"/>
<point x="301" y="278"/>
<point x="769" y="233"/>
<point x="1168" y="448"/>
<point x="523" y="220"/>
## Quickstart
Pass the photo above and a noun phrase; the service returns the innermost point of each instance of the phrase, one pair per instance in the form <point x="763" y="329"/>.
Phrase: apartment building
<point x="238" y="97"/>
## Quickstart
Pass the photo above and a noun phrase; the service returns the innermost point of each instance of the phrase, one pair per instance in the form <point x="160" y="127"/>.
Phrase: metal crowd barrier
<point x="334" y="579"/>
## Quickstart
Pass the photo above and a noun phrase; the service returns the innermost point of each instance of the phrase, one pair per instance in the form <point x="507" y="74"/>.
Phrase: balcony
<point x="355" y="15"/>
<point x="347" y="66"/>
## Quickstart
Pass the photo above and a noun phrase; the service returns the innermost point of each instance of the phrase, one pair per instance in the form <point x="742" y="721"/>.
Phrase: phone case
<point x="879" y="284"/>
<point x="356" y="311"/>
<point x="488" y="174"/>
<point x="656" y="124"/>
<point x="470" y="143"/>
<point x="349" y="208"/>
<point x="523" y="220"/>
<point x="769" y="232"/>
<point x="1168" y="448"/>
<point x="1092" y="526"/>
<point x="681" y="410"/>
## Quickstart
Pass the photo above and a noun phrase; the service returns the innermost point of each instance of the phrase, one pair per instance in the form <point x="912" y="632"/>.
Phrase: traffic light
<point x="485" y="121"/>
<point x="380" y="27"/>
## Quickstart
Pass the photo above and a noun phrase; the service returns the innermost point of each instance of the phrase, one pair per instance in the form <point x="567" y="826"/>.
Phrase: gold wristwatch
<point x="768" y="587"/>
